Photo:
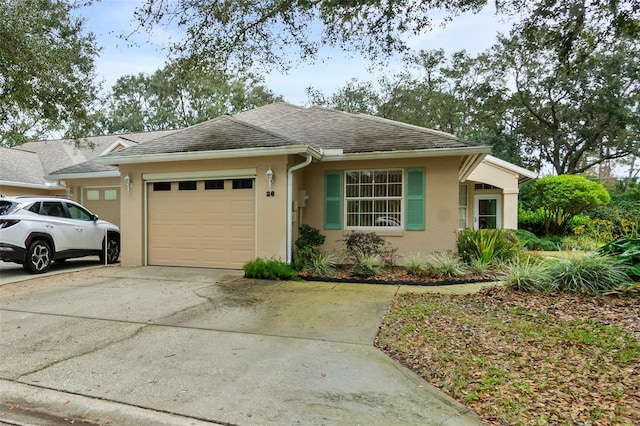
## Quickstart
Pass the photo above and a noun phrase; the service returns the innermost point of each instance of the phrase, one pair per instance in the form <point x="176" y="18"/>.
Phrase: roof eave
<point x="433" y="152"/>
<point x="84" y="175"/>
<point x="52" y="186"/>
<point x="209" y="155"/>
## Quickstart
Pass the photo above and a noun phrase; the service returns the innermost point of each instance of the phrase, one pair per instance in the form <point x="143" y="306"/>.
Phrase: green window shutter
<point x="333" y="200"/>
<point x="415" y="199"/>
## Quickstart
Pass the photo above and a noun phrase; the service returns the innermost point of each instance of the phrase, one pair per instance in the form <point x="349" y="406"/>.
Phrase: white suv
<point x="34" y="231"/>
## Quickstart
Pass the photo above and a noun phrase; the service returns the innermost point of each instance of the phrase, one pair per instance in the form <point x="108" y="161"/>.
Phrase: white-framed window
<point x="373" y="199"/>
<point x="463" y="202"/>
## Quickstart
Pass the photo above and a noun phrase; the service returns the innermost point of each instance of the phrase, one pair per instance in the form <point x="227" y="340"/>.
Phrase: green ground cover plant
<point x="523" y="358"/>
<point x="269" y="269"/>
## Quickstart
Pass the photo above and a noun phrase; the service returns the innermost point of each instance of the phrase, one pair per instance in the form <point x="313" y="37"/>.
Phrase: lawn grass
<point x="523" y="358"/>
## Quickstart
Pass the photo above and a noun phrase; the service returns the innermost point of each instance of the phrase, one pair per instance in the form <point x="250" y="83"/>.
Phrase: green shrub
<point x="531" y="220"/>
<point x="627" y="251"/>
<point x="307" y="246"/>
<point x="269" y="269"/>
<point x="367" y="265"/>
<point x="363" y="243"/>
<point x="532" y="242"/>
<point x="593" y="274"/>
<point x="308" y="236"/>
<point x="447" y="265"/>
<point x="488" y="245"/>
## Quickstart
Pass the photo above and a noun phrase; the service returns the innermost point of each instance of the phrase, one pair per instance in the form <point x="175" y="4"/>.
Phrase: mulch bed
<point x="398" y="276"/>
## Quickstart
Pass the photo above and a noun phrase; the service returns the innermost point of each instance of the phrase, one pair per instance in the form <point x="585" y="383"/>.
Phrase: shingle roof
<point x="222" y="133"/>
<point x="86" y="167"/>
<point x="281" y="124"/>
<point x="32" y="161"/>
<point x="330" y="129"/>
<point x="19" y="165"/>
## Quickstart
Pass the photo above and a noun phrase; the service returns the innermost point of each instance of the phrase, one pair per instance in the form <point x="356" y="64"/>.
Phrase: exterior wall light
<point x="269" y="177"/>
<point x="269" y="174"/>
<point x="128" y="182"/>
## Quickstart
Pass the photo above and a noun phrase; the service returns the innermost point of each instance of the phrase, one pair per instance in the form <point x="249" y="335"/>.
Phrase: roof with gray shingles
<point x="281" y="124"/>
<point x="222" y="133"/>
<point x="19" y="165"/>
<point x="330" y="129"/>
<point x="32" y="161"/>
<point x="86" y="167"/>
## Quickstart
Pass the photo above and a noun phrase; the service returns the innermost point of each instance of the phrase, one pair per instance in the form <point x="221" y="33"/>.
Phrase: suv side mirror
<point x="94" y="217"/>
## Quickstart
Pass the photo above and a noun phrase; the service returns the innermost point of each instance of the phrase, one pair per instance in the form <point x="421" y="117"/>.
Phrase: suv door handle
<point x="49" y="226"/>
<point x="78" y="229"/>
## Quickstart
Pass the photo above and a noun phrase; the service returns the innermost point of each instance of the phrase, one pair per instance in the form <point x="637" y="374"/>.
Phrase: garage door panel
<point x="210" y="228"/>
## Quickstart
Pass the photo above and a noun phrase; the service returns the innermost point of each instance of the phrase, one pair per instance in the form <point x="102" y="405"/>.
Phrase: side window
<point x="35" y="207"/>
<point x="78" y="212"/>
<point x="53" y="208"/>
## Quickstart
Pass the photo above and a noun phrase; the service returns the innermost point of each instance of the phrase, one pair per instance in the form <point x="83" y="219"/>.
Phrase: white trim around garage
<point x="248" y="173"/>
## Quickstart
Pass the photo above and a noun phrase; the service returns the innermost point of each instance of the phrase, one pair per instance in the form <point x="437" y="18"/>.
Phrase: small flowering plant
<point x="388" y="256"/>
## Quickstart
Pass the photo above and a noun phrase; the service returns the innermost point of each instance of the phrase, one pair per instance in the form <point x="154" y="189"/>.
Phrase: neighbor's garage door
<point x="208" y="223"/>
<point x="103" y="201"/>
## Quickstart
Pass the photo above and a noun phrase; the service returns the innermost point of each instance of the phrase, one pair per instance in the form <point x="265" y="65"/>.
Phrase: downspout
<point x="290" y="204"/>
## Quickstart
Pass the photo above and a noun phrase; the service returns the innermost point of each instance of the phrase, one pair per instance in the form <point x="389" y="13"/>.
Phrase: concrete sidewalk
<point x="159" y="345"/>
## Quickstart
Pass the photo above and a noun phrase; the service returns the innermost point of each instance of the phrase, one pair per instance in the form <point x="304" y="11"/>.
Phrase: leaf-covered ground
<point x="522" y="358"/>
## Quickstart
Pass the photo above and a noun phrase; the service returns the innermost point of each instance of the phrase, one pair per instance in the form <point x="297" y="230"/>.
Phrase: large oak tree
<point x="47" y="80"/>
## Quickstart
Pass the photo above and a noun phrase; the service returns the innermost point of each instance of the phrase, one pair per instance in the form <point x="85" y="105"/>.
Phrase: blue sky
<point x="109" y="19"/>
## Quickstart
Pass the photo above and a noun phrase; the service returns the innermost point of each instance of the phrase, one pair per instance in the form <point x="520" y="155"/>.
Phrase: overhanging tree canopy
<point x="267" y="31"/>
<point x="47" y="80"/>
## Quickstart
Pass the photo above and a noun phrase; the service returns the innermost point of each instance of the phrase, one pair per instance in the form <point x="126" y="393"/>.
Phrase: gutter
<point x="114" y="159"/>
<point x="290" y="203"/>
<point x="48" y="186"/>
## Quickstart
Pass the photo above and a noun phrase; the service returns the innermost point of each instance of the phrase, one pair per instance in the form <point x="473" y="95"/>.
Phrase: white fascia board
<point x="86" y="175"/>
<point x="527" y="174"/>
<point x="384" y="155"/>
<point x="209" y="155"/>
<point x="52" y="186"/>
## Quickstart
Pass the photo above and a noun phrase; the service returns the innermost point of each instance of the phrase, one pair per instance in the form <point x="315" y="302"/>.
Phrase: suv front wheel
<point x="38" y="258"/>
<point x="113" y="250"/>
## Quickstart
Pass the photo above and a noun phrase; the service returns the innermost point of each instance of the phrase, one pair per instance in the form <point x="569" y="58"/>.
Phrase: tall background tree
<point x="180" y="95"/>
<point x="47" y="80"/>
<point x="266" y="31"/>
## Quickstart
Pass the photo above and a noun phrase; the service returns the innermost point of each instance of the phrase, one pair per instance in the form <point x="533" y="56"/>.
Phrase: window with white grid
<point x="373" y="198"/>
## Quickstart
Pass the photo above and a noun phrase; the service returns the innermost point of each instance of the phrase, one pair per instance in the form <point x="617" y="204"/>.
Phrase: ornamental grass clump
<point x="447" y="265"/>
<point x="367" y="265"/>
<point x="323" y="264"/>
<point x="417" y="264"/>
<point x="593" y="274"/>
<point x="526" y="276"/>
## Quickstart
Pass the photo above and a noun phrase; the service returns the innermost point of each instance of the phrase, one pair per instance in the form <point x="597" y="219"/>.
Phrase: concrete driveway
<point x="158" y="345"/>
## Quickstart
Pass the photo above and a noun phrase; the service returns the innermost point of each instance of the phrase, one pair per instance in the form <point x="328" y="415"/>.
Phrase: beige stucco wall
<point x="441" y="210"/>
<point x="12" y="191"/>
<point x="506" y="180"/>
<point x="270" y="211"/>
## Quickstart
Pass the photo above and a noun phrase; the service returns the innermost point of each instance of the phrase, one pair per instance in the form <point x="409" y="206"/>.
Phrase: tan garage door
<point x="103" y="201"/>
<point x="207" y="223"/>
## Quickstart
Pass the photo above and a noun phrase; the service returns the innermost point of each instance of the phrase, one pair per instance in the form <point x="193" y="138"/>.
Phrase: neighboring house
<point x="26" y="169"/>
<point x="235" y="188"/>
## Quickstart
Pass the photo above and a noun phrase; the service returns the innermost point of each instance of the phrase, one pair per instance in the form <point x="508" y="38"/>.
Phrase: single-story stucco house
<point x="234" y="188"/>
